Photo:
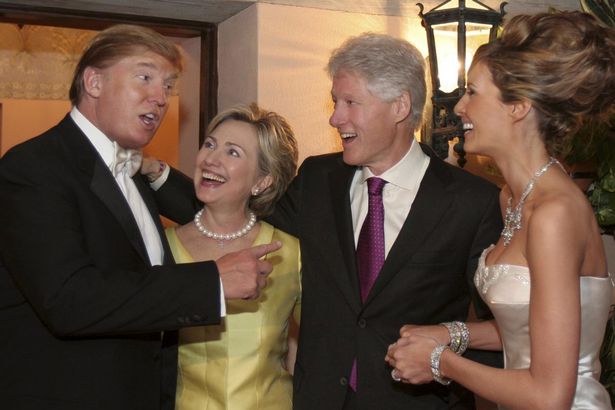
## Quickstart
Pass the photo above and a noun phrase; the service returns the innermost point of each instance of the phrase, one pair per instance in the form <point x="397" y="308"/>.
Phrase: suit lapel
<point x="104" y="186"/>
<point x="432" y="202"/>
<point x="101" y="182"/>
<point x="144" y="190"/>
<point x="339" y="186"/>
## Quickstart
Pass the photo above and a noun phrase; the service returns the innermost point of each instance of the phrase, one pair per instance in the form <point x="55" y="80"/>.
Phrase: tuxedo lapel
<point x="432" y="202"/>
<point x="153" y="210"/>
<point x="339" y="186"/>
<point x="104" y="186"/>
<point x="101" y="182"/>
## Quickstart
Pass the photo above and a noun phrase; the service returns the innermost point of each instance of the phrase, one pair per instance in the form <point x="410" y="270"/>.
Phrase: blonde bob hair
<point x="277" y="156"/>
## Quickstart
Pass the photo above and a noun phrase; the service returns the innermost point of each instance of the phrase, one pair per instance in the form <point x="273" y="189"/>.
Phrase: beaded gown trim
<point x="488" y="275"/>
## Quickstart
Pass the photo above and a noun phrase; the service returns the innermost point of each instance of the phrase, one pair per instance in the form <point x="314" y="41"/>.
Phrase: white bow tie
<point x="129" y="158"/>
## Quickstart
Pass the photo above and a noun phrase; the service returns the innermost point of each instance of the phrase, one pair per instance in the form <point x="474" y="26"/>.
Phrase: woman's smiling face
<point x="227" y="164"/>
<point x="483" y="113"/>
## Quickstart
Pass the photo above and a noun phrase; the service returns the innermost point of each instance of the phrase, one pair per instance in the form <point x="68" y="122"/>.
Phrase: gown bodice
<point x="506" y="290"/>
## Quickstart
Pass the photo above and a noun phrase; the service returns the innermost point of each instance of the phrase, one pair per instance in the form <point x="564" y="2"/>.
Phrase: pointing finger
<point x="262" y="250"/>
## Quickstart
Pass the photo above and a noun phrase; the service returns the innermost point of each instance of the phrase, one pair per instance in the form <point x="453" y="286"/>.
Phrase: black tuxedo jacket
<point x="426" y="279"/>
<point x="81" y="308"/>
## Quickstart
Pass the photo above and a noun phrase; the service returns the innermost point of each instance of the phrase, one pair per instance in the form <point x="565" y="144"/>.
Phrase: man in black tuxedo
<point x="88" y="281"/>
<point x="437" y="221"/>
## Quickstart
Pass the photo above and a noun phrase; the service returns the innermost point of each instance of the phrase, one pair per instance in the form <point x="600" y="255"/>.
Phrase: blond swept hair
<point x="115" y="43"/>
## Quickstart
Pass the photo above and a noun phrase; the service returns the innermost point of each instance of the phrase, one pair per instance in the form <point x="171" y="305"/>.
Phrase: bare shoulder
<point x="563" y="216"/>
<point x="563" y="222"/>
<point x="561" y="207"/>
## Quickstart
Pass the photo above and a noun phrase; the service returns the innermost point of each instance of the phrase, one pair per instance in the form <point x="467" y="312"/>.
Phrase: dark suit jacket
<point x="426" y="279"/>
<point x="81" y="308"/>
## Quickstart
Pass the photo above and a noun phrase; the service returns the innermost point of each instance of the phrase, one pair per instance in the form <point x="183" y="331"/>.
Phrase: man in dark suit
<point x="437" y="220"/>
<point x="88" y="281"/>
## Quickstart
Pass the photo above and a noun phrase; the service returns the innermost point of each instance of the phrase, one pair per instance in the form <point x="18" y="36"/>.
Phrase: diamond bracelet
<point x="459" y="335"/>
<point x="436" y="354"/>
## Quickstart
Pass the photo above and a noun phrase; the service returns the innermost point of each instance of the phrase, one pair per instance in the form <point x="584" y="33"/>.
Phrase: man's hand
<point x="152" y="168"/>
<point x="243" y="273"/>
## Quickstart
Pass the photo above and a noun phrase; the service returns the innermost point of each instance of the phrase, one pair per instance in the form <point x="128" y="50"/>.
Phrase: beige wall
<point x="188" y="110"/>
<point x="276" y="55"/>
<point x="272" y="54"/>
<point x="238" y="49"/>
<point x="35" y="46"/>
<point x="24" y="119"/>
<point x="288" y="63"/>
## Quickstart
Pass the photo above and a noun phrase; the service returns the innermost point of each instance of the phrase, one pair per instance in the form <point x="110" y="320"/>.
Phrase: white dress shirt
<point x="148" y="230"/>
<point x="403" y="181"/>
<point x="143" y="217"/>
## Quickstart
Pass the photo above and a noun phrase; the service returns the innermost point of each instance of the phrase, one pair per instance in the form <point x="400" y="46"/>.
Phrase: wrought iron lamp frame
<point x="445" y="125"/>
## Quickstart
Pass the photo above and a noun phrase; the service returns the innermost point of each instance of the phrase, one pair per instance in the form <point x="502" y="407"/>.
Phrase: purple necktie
<point x="370" y="248"/>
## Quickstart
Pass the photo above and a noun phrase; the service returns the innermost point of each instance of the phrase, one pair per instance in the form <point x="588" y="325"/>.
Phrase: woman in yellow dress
<point x="247" y="160"/>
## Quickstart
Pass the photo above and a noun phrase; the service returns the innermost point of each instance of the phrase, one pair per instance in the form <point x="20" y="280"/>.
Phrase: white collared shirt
<point x="143" y="217"/>
<point x="149" y="233"/>
<point x="404" y="179"/>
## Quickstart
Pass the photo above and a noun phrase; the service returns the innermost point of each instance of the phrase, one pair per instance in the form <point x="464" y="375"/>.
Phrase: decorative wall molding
<point x="37" y="62"/>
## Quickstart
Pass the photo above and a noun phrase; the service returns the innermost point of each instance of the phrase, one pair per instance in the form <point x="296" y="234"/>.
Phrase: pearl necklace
<point x="512" y="220"/>
<point x="220" y="237"/>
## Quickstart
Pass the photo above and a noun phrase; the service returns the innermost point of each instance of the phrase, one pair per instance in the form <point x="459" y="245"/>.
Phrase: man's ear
<point x="92" y="81"/>
<point x="402" y="106"/>
<point x="520" y="109"/>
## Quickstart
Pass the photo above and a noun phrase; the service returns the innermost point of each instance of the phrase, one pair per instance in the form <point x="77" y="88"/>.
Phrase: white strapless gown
<point x="506" y="290"/>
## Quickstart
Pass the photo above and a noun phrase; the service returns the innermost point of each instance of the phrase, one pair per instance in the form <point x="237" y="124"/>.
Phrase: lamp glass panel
<point x="471" y="4"/>
<point x="445" y="36"/>
<point x="477" y="34"/>
<point x="454" y="4"/>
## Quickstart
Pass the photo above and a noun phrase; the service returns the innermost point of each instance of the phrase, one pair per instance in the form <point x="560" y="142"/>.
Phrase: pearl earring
<point x="256" y="191"/>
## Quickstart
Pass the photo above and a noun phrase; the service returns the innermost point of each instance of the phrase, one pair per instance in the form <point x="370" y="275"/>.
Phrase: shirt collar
<point x="101" y="142"/>
<point x="406" y="172"/>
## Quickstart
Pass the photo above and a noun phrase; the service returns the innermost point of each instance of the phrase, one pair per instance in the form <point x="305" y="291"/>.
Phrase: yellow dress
<point x="239" y="363"/>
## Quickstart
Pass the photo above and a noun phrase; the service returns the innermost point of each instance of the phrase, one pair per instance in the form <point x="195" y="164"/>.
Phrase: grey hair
<point x="390" y="65"/>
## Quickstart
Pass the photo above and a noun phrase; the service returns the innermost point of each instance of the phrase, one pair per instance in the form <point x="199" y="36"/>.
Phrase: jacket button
<point x="362" y="323"/>
<point x="344" y="381"/>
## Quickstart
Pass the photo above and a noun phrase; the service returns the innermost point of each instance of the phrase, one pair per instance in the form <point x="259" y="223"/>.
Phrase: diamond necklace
<point x="221" y="237"/>
<point x="512" y="220"/>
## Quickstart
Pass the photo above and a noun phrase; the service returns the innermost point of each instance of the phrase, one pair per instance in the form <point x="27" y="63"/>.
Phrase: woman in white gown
<point x="546" y="279"/>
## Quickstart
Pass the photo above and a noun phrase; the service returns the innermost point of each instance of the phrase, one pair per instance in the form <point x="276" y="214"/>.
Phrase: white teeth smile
<point x="149" y="117"/>
<point x="468" y="126"/>
<point x="213" y="177"/>
<point x="345" y="135"/>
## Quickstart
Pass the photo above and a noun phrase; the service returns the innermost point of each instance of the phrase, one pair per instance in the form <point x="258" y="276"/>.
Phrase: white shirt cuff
<point x="222" y="301"/>
<point x="161" y="179"/>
